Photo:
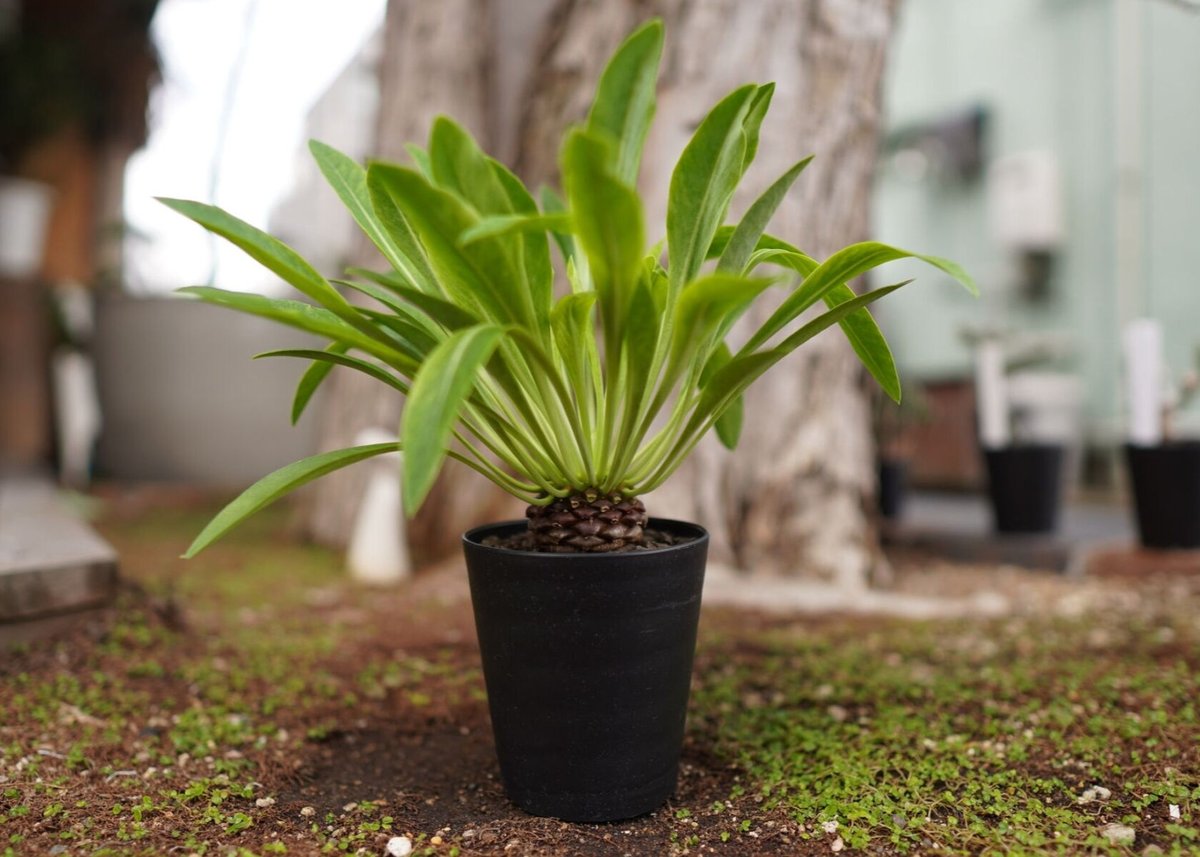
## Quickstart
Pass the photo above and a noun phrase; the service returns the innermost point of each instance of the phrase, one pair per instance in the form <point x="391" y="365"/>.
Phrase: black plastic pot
<point x="1024" y="485"/>
<point x="893" y="486"/>
<point x="1166" y="491"/>
<point x="588" y="663"/>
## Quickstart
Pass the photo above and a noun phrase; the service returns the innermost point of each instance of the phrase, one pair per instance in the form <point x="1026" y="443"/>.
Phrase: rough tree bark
<point x="793" y="497"/>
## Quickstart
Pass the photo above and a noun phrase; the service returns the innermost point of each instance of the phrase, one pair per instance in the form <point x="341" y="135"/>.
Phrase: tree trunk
<point x="793" y="497"/>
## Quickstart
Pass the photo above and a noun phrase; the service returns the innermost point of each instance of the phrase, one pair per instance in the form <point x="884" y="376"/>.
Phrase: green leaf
<point x="275" y="485"/>
<point x="744" y="238"/>
<point x="729" y="422"/>
<point x="860" y="328"/>
<point x="329" y="359"/>
<point x="707" y="307"/>
<point x="312" y="378"/>
<point x="443" y="384"/>
<point x="835" y="315"/>
<point x="732" y="379"/>
<point x="640" y="342"/>
<point x="534" y="247"/>
<point x="571" y="321"/>
<point x="268" y="251"/>
<point x="392" y="219"/>
<point x="868" y="342"/>
<point x="754" y="119"/>
<point x="842" y="266"/>
<point x="479" y="277"/>
<point x="348" y="178"/>
<point x="449" y="315"/>
<point x="507" y="224"/>
<point x="703" y="183"/>
<point x="624" y="104"/>
<point x="460" y="166"/>
<point x="420" y="159"/>
<point x="305" y="317"/>
<point x="607" y="214"/>
<point x="553" y="204"/>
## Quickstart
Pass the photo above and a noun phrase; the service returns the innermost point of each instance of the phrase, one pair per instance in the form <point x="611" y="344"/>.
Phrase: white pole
<point x="378" y="551"/>
<point x="1144" y="379"/>
<point x="991" y="394"/>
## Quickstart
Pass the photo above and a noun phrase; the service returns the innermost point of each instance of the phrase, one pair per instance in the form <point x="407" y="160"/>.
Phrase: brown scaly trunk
<point x="588" y="522"/>
<point x="794" y="496"/>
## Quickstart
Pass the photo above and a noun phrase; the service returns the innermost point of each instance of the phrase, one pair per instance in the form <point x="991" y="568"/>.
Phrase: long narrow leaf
<point x="330" y="359"/>
<point x="860" y="327"/>
<point x="729" y="423"/>
<point x="479" y="277"/>
<point x="703" y="183"/>
<point x="608" y="224"/>
<point x="275" y="485"/>
<point x="624" y="104"/>
<point x="348" y="179"/>
<point x="438" y="392"/>
<point x="265" y="249"/>
<point x="305" y="317"/>
<point x="842" y="266"/>
<point x="507" y="224"/>
<point x="745" y="237"/>
<point x="312" y="378"/>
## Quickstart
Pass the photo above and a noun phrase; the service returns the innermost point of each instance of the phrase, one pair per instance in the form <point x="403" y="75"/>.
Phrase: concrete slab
<point x="959" y="527"/>
<point x="51" y="562"/>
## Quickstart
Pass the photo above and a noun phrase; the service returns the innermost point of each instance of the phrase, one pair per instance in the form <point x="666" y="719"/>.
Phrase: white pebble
<point x="399" y="846"/>
<point x="308" y="812"/>
<point x="1093" y="794"/>
<point x="1118" y="834"/>
<point x="264" y="802"/>
<point x="1173" y="809"/>
<point x="837" y="845"/>
<point x="829" y="826"/>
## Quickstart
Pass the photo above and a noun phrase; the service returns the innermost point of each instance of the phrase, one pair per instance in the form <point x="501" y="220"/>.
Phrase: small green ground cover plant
<point x="575" y="403"/>
<point x="244" y="728"/>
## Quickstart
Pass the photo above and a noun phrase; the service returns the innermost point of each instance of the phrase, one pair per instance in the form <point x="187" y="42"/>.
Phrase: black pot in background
<point x="893" y="486"/>
<point x="588" y="663"/>
<point x="1166" y="490"/>
<point x="1025" y="484"/>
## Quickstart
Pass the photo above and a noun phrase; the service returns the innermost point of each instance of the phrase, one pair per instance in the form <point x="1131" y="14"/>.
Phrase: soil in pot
<point x="1025" y="486"/>
<point x="588" y="661"/>
<point x="1166" y="488"/>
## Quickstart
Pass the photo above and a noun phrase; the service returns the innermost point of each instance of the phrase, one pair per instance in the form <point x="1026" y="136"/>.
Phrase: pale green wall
<point x="1045" y="69"/>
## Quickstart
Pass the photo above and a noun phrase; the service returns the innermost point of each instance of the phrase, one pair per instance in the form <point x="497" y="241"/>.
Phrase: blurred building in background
<point x="1048" y="146"/>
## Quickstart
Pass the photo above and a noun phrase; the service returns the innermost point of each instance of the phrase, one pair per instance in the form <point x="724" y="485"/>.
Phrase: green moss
<point x="971" y="739"/>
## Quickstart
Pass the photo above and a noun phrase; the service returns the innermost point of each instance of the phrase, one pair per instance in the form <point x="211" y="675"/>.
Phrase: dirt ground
<point x="256" y="703"/>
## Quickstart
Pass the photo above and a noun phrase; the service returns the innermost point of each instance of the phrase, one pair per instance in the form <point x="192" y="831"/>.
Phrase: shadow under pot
<point x="1166" y="492"/>
<point x="588" y="663"/>
<point x="1025" y="487"/>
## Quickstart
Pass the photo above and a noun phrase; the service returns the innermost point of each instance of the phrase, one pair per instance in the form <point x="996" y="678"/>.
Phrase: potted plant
<point x="1165" y="472"/>
<point x="1024" y="467"/>
<point x="578" y="404"/>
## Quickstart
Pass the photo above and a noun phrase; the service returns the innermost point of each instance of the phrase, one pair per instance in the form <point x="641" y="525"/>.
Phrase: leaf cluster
<point x="606" y="388"/>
